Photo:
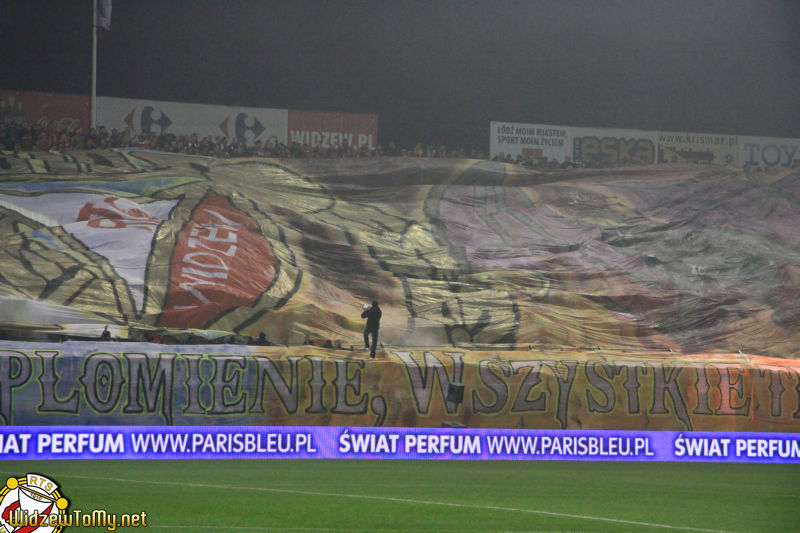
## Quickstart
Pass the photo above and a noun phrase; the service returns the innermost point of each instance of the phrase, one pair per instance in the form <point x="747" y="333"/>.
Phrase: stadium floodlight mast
<point x="101" y="16"/>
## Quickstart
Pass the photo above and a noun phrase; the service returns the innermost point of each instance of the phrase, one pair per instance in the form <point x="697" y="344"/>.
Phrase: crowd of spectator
<point x="21" y="136"/>
<point x="541" y="162"/>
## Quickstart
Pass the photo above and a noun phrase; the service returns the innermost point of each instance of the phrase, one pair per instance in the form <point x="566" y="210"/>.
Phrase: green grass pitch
<point x="434" y="496"/>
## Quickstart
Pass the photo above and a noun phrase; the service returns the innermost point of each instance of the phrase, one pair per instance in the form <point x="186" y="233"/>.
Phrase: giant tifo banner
<point x="64" y="110"/>
<point x="466" y="253"/>
<point x="146" y="384"/>
<point x="602" y="147"/>
<point x="664" y="298"/>
<point x="247" y="124"/>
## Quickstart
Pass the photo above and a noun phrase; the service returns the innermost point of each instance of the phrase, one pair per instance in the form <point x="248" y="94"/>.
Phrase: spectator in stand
<point x="142" y="141"/>
<point x="54" y="135"/>
<point x="42" y="140"/>
<point x="63" y="142"/>
<point x="78" y="139"/>
<point x="26" y="138"/>
<point x="103" y="138"/>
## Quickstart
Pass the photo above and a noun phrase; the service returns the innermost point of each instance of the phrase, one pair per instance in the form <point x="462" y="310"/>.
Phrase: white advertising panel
<point x="604" y="147"/>
<point x="709" y="148"/>
<point x="548" y="145"/>
<point x="764" y="152"/>
<point x="247" y="124"/>
<point x="531" y="141"/>
<point x="593" y="147"/>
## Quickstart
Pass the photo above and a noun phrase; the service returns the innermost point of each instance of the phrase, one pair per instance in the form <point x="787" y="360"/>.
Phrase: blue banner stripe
<point x="325" y="442"/>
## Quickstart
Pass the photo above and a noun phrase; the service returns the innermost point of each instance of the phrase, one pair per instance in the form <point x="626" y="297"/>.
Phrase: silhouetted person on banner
<point x="261" y="340"/>
<point x="373" y="316"/>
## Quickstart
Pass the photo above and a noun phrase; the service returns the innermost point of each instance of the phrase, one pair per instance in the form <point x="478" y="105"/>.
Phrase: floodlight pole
<point x="93" y="123"/>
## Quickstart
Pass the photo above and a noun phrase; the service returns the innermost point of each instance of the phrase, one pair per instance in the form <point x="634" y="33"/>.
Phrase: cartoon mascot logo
<point x="31" y="503"/>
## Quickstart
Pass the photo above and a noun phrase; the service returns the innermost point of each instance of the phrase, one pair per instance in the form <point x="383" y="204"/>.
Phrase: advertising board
<point x="247" y="124"/>
<point x="63" y="110"/>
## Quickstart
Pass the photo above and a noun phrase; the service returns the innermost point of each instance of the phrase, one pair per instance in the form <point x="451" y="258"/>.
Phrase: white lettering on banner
<point x="442" y="444"/>
<point x="77" y="443"/>
<point x="365" y="141"/>
<point x="331" y="139"/>
<point x="719" y="447"/>
<point x="368" y="443"/>
<point x="188" y="284"/>
<point x="16" y="444"/>
<point x="213" y="266"/>
<point x="222" y="443"/>
<point x="701" y="447"/>
<point x="501" y="445"/>
<point x="198" y="259"/>
<point x="769" y="448"/>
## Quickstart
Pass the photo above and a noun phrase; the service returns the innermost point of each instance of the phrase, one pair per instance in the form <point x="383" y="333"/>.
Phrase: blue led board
<point x="318" y="442"/>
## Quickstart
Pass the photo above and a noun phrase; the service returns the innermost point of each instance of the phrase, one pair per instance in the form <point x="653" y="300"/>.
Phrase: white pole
<point x="94" y="67"/>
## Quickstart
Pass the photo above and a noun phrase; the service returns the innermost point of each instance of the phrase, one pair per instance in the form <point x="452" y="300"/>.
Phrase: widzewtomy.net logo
<point x="33" y="503"/>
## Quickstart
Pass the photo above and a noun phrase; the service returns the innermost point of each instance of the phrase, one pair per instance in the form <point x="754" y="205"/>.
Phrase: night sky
<point x="434" y="71"/>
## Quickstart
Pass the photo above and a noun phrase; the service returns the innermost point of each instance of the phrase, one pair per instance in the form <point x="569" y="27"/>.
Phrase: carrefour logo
<point x="242" y="130"/>
<point x="147" y="120"/>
